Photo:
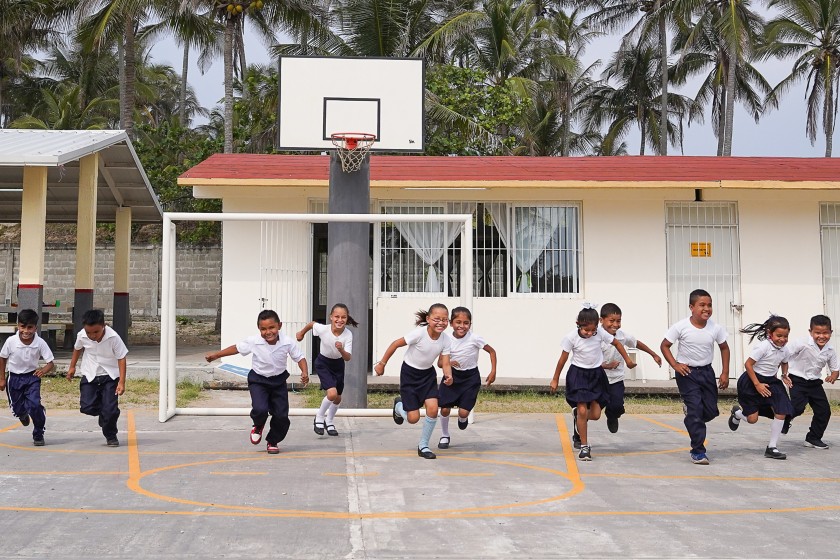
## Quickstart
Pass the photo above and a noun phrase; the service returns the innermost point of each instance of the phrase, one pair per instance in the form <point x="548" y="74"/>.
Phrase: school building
<point x="760" y="234"/>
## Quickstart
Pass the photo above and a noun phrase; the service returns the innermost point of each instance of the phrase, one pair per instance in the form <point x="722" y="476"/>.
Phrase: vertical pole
<point x="165" y="325"/>
<point x="170" y="319"/>
<point x="85" y="237"/>
<point x="467" y="259"/>
<point x="122" y="261"/>
<point x="32" y="236"/>
<point x="348" y="269"/>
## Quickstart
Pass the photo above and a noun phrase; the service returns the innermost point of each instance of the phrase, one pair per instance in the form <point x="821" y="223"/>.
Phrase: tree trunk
<point x="127" y="118"/>
<point x="182" y="94"/>
<point x="643" y="128"/>
<point x="663" y="66"/>
<point x="730" y="99"/>
<point x="828" y="109"/>
<point x="240" y="48"/>
<point x="721" y="124"/>
<point x="229" y="30"/>
<point x="2" y="112"/>
<point x="121" y="59"/>
<point x="566" y="119"/>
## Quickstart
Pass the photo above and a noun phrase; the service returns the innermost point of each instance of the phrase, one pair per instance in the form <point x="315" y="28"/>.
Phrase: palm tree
<point x="811" y="32"/>
<point x="614" y="14"/>
<point x="635" y="101"/>
<point x="63" y="110"/>
<point x="707" y="55"/>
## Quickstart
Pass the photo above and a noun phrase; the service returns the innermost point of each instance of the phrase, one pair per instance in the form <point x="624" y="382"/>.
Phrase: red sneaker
<point x="272" y="449"/>
<point x="256" y="435"/>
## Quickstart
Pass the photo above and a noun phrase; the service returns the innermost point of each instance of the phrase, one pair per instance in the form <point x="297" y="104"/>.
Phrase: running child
<point x="335" y="349"/>
<point x="103" y="355"/>
<point x="614" y="365"/>
<point x="463" y="359"/>
<point x="696" y="337"/>
<point x="418" y="378"/>
<point x="760" y="392"/>
<point x="586" y="383"/>
<point x="20" y="355"/>
<point x="808" y="356"/>
<point x="267" y="378"/>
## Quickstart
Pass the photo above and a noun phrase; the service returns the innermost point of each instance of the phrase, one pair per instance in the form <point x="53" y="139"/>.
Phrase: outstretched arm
<point x="491" y="378"/>
<point x="645" y="348"/>
<point x="665" y="348"/>
<point x="71" y="369"/>
<point x="302" y="332"/>
<point x="379" y="367"/>
<point x="620" y="347"/>
<point x="229" y="351"/>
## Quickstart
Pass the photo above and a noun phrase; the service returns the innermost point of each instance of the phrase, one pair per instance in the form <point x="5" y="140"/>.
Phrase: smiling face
<point x="611" y="323"/>
<point x="779" y="336"/>
<point x="269" y="330"/>
<point x="438" y="319"/>
<point x="821" y="334"/>
<point x="587" y="330"/>
<point x="338" y="318"/>
<point x="461" y="325"/>
<point x="701" y="310"/>
<point x="26" y="333"/>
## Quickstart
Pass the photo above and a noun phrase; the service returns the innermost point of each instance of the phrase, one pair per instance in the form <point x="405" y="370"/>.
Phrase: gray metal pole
<point x="348" y="269"/>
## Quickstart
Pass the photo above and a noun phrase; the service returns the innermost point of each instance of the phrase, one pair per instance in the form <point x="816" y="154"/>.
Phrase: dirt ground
<point x="190" y="332"/>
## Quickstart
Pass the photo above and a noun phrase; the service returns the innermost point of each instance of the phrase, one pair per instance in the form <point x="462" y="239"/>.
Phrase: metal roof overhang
<point x="122" y="181"/>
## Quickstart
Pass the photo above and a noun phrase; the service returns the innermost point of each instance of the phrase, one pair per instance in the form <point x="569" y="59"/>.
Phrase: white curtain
<point x="429" y="240"/>
<point x="533" y="228"/>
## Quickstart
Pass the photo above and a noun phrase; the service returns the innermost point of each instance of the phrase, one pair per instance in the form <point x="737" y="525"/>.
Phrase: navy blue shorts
<point x="751" y="401"/>
<point x="464" y="389"/>
<point x="331" y="372"/>
<point x="585" y="385"/>
<point x="417" y="385"/>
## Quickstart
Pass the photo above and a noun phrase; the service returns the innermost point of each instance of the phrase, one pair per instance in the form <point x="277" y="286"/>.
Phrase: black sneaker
<point x="426" y="453"/>
<point x="463" y="423"/>
<point x="38" y="441"/>
<point x="112" y="442"/>
<point x="786" y="425"/>
<point x="585" y="453"/>
<point x="774" y="453"/>
<point x="734" y="422"/>
<point x="816" y="443"/>
<point x="24" y="419"/>
<point x="397" y="418"/>
<point x="612" y="424"/>
<point x="575" y="434"/>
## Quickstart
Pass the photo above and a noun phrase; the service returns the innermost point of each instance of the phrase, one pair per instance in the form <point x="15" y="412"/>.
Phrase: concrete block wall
<point x="199" y="275"/>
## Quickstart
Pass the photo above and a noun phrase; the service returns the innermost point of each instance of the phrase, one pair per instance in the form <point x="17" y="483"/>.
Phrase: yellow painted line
<point x="10" y="428"/>
<point x="569" y="456"/>
<point x="350" y="474"/>
<point x="60" y="473"/>
<point x="662" y="424"/>
<point x="240" y="473"/>
<point x="465" y="474"/>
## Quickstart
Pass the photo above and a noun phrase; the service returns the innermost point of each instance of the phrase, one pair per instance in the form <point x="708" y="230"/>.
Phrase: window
<point x="517" y="250"/>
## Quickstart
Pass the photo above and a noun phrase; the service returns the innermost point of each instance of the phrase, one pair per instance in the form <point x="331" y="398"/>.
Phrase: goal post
<point x="168" y="370"/>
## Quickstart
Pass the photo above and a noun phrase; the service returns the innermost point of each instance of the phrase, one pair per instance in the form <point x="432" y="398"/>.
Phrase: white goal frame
<point x="168" y="372"/>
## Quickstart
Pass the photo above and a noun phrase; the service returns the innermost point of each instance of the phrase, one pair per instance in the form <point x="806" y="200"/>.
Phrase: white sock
<point x="331" y="414"/>
<point x="775" y="432"/>
<point x="739" y="415"/>
<point x="444" y="426"/>
<point x="325" y="404"/>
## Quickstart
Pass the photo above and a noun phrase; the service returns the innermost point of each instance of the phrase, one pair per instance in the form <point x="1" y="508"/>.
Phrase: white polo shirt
<point x="23" y="358"/>
<point x="695" y="347"/>
<point x="807" y="360"/>
<point x="422" y="351"/>
<point x="101" y="358"/>
<point x="465" y="350"/>
<point x="611" y="355"/>
<point x="328" y="340"/>
<point x="269" y="360"/>
<point x="768" y="357"/>
<point x="586" y="352"/>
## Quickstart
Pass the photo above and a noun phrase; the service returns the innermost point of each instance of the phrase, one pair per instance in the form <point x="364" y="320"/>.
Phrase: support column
<point x="122" y="260"/>
<point x="85" y="238"/>
<point x="349" y="270"/>
<point x="32" y="236"/>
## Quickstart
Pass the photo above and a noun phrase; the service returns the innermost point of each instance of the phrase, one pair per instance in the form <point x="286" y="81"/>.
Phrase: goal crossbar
<point x="168" y="370"/>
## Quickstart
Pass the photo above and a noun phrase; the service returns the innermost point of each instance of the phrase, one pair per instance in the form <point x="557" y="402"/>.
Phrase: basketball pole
<point x="348" y="269"/>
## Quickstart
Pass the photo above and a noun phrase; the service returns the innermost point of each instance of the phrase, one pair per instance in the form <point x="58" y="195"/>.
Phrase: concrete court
<point x="510" y="487"/>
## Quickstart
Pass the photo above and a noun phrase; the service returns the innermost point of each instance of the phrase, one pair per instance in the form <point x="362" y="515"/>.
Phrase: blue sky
<point x="779" y="133"/>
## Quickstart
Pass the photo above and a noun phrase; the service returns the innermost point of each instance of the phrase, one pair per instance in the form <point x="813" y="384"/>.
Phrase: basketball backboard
<point x="321" y="96"/>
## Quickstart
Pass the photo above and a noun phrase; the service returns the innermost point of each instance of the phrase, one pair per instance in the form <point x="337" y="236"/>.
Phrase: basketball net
<point x="352" y="148"/>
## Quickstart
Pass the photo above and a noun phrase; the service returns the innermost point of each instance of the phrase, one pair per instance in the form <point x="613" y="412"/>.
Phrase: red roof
<point x="515" y="168"/>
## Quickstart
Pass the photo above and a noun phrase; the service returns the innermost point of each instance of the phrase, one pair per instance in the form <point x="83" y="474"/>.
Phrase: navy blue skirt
<point x="417" y="385"/>
<point x="464" y="389"/>
<point x="331" y="372"/>
<point x="751" y="401"/>
<point x="585" y="385"/>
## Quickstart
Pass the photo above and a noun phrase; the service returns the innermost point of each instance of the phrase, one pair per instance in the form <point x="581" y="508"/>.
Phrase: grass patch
<point x="537" y="402"/>
<point x="57" y="393"/>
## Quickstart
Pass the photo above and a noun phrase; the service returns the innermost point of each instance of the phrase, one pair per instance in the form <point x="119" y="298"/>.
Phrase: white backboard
<point x="320" y="96"/>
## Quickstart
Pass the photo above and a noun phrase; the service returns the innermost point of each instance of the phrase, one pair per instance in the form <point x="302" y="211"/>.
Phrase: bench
<point x="8" y="329"/>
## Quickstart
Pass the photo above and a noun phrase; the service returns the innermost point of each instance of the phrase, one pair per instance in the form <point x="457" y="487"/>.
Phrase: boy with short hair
<point x="697" y="336"/>
<point x="103" y="367"/>
<point x="20" y="354"/>
<point x="808" y="357"/>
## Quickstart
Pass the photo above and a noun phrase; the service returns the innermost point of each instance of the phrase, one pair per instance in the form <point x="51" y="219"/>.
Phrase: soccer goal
<point x="169" y="281"/>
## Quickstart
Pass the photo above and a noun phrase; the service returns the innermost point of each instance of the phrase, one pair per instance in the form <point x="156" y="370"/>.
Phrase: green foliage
<point x="494" y="108"/>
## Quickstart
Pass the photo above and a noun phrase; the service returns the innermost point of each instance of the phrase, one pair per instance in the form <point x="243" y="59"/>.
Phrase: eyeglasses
<point x="438" y="320"/>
